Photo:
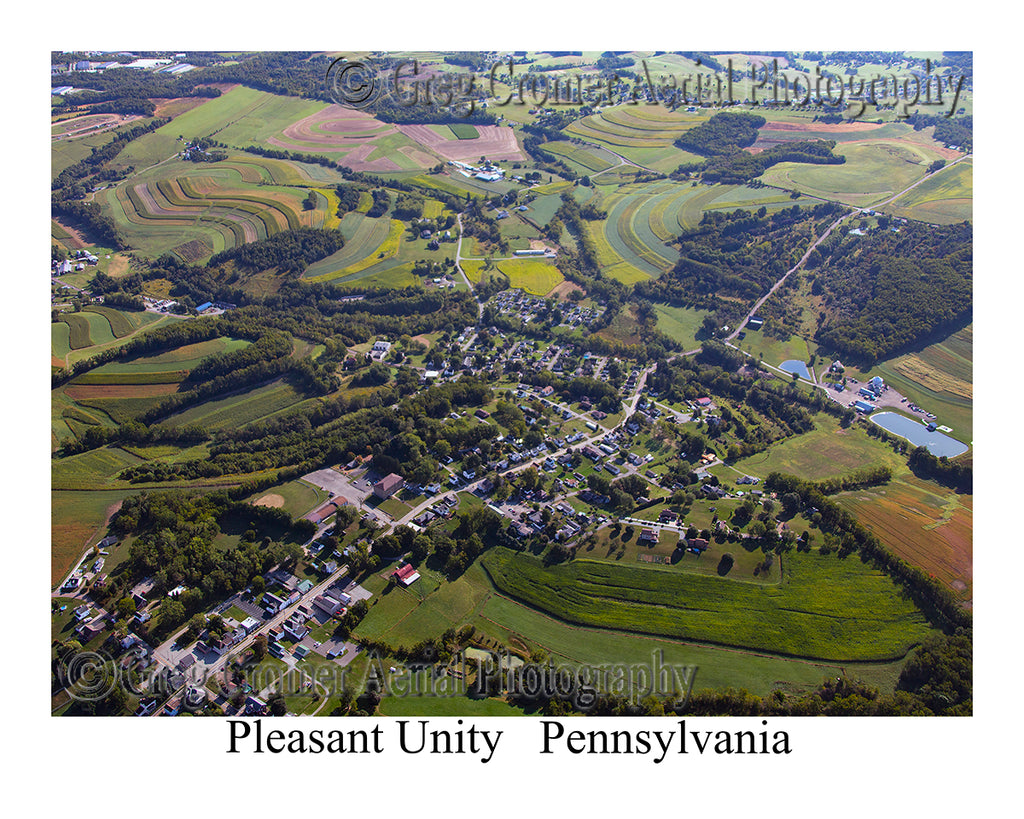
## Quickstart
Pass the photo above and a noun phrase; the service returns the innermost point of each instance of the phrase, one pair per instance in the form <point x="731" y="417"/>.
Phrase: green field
<point x="242" y="116"/>
<point x="464" y="130"/>
<point x="81" y="335"/>
<point x="680" y="323"/>
<point x="945" y="197"/>
<point x="181" y="358"/>
<point x="874" y="171"/>
<point x="825" y="609"/>
<point x="826" y="452"/>
<point x="237" y="410"/>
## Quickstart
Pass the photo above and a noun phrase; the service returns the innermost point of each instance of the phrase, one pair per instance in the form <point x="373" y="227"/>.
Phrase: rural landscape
<point x="502" y="397"/>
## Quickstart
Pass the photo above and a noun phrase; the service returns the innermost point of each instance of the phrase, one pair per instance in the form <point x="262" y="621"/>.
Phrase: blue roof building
<point x="206" y="305"/>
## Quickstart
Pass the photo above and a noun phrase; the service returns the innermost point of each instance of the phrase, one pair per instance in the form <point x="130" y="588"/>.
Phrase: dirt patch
<point x="422" y="340"/>
<point x="564" y="289"/>
<point x="271" y="500"/>
<point x="174" y="106"/>
<point x="75" y="239"/>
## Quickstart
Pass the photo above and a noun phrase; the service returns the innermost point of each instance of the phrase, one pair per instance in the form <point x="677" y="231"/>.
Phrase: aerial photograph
<point x="477" y="384"/>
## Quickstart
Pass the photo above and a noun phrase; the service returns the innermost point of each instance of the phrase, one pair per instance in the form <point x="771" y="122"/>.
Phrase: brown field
<point x="345" y="122"/>
<point x="174" y="106"/>
<point x="931" y="531"/>
<point x="422" y="159"/>
<point x="564" y="289"/>
<point x="494" y="142"/>
<point x="273" y="501"/>
<point x="828" y="127"/>
<point x="75" y="240"/>
<point x="87" y="392"/>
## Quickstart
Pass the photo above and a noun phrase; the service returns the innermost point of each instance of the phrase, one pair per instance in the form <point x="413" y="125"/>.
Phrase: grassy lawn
<point x="680" y="324"/>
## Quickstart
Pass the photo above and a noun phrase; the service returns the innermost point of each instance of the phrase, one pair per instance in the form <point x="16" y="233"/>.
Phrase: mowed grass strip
<point x="464" y="130"/>
<point x="825" y="608"/>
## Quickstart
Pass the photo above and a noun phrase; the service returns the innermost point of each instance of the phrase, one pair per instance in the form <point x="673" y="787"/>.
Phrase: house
<point x="304" y="586"/>
<point x="387" y="486"/>
<point x="755" y="323"/>
<point x="379" y="350"/>
<point x="406" y="575"/>
<point x="518" y="530"/>
<point x="648" y="536"/>
<point x="250" y="624"/>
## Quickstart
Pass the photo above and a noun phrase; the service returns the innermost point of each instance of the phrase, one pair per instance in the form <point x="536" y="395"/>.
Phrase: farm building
<point x="754" y="323"/>
<point x="866" y="393"/>
<point x="387" y="486"/>
<point x="876" y="383"/>
<point x="406" y="575"/>
<point x="863" y="406"/>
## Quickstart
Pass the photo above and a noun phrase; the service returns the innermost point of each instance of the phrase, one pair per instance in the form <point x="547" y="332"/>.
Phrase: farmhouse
<point x="379" y="350"/>
<point x="387" y="486"/>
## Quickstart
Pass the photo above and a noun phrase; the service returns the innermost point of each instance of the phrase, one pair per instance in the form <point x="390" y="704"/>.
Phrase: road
<point x="825" y="235"/>
<point x="458" y="266"/>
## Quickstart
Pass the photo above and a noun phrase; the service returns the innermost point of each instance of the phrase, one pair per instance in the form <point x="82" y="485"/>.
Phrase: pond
<point x="798" y="367"/>
<point x="914" y="431"/>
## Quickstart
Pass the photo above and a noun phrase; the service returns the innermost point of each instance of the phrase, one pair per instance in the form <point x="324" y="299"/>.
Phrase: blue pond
<point x="794" y="366"/>
<point x="914" y="431"/>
